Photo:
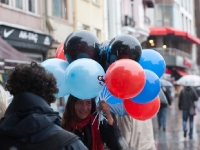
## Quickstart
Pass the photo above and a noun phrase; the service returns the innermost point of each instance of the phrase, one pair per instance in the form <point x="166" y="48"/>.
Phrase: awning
<point x="8" y="52"/>
<point x="10" y="57"/>
<point x="182" y="72"/>
<point x="167" y="30"/>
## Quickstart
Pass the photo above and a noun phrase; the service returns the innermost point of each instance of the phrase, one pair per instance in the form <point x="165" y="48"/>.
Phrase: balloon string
<point x="95" y="117"/>
<point x="104" y="90"/>
<point x="107" y="95"/>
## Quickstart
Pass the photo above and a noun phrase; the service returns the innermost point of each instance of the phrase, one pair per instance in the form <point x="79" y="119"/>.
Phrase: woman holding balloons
<point x="132" y="74"/>
<point x="79" y="118"/>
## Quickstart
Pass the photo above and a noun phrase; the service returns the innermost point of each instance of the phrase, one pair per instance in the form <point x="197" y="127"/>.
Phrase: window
<point x="59" y="8"/>
<point x="85" y="27"/>
<point x="31" y="6"/>
<point x="186" y="24"/>
<point x="5" y="1"/>
<point x="96" y="1"/>
<point x="19" y="4"/>
<point x="182" y="22"/>
<point x="97" y="33"/>
<point x="190" y="25"/>
<point x="132" y="10"/>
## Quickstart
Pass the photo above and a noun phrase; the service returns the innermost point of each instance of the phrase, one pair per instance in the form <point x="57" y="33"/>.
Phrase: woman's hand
<point x="105" y="108"/>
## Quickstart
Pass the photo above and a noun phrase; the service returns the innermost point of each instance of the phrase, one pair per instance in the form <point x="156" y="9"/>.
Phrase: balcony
<point x="176" y="57"/>
<point x="128" y="25"/>
<point x="173" y="52"/>
<point x="147" y="20"/>
<point x="128" y="21"/>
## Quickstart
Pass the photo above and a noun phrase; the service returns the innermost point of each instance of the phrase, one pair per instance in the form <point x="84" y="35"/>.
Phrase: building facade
<point x="89" y="15"/>
<point x="21" y="27"/>
<point x="58" y="20"/>
<point x="134" y="19"/>
<point x="172" y="34"/>
<point x="65" y="16"/>
<point x="197" y="27"/>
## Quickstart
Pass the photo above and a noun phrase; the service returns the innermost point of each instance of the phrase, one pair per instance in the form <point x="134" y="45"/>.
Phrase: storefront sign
<point x="187" y="63"/>
<point x="25" y="35"/>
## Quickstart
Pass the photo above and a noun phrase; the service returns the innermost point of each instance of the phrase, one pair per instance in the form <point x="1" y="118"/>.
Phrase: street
<point x="172" y="138"/>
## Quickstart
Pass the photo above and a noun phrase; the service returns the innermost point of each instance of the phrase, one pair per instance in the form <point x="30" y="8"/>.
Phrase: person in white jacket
<point x="138" y="134"/>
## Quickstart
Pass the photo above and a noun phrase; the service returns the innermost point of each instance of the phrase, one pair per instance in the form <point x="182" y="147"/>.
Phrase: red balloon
<point x="125" y="78"/>
<point x="60" y="52"/>
<point x="142" y="111"/>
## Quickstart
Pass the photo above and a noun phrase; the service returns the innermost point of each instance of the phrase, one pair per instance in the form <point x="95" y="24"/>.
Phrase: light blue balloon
<point x="152" y="60"/>
<point x="57" y="67"/>
<point x="82" y="78"/>
<point x="151" y="88"/>
<point x="106" y="95"/>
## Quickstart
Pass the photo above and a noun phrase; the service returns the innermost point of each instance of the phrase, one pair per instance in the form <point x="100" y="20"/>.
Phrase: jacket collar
<point x="26" y="101"/>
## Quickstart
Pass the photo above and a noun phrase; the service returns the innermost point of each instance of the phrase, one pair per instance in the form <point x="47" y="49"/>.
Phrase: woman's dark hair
<point x="34" y="79"/>
<point x="69" y="112"/>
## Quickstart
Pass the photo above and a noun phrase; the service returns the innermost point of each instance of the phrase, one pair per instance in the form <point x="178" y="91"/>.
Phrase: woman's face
<point x="83" y="108"/>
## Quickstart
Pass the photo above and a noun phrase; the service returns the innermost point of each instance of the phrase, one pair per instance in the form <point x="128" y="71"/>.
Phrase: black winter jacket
<point x="110" y="135"/>
<point x="187" y="98"/>
<point x="29" y="120"/>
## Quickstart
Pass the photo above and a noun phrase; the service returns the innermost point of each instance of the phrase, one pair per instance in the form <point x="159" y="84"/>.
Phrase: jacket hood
<point x="27" y="115"/>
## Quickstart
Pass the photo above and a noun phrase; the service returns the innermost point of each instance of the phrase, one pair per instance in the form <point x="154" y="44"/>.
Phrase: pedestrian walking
<point x="79" y="118"/>
<point x="3" y="101"/>
<point x="186" y="103"/>
<point x="162" y="113"/>
<point x="29" y="122"/>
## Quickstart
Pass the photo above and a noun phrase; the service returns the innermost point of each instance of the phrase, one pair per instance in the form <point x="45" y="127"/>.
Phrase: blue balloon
<point x="84" y="78"/>
<point x="152" y="60"/>
<point x="106" y="95"/>
<point x="151" y="88"/>
<point x="57" y="67"/>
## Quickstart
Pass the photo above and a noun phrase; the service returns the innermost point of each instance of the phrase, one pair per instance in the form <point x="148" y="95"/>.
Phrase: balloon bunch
<point x="132" y="76"/>
<point x="118" y="71"/>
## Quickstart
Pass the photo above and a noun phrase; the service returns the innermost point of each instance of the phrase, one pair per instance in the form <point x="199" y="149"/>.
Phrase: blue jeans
<point x="185" y="116"/>
<point x="161" y="116"/>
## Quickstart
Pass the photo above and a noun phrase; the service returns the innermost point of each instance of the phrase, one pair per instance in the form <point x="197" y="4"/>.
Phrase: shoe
<point x="190" y="137"/>
<point x="164" y="129"/>
<point x="185" y="133"/>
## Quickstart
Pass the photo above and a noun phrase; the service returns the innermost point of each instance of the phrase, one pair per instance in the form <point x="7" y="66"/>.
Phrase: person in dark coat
<point x="29" y="122"/>
<point x="186" y="99"/>
<point x="162" y="113"/>
<point x="79" y="118"/>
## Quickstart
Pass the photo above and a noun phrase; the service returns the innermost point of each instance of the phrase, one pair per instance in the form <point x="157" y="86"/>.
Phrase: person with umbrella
<point x="186" y="101"/>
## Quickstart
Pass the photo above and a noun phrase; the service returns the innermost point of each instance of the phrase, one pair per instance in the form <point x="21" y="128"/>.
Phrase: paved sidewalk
<point x="172" y="138"/>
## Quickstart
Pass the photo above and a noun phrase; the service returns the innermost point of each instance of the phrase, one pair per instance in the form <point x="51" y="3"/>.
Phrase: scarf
<point x="97" y="143"/>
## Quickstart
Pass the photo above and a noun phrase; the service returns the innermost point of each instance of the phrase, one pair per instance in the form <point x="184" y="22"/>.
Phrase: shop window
<point x="4" y="2"/>
<point x="19" y="4"/>
<point x="31" y="6"/>
<point x="60" y="8"/>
